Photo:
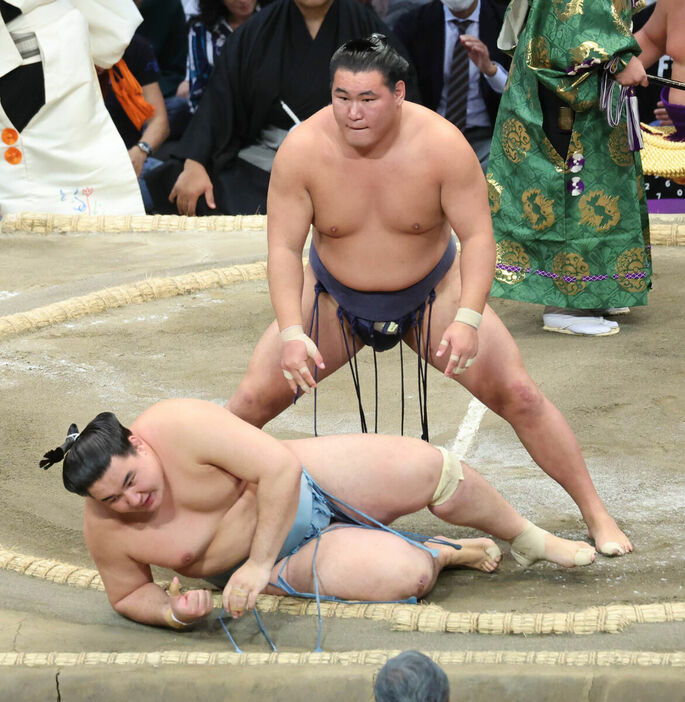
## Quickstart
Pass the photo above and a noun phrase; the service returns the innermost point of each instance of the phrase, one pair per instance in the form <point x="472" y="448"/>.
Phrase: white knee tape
<point x="452" y="474"/>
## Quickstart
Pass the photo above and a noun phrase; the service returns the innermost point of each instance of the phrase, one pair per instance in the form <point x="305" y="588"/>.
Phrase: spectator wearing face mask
<point x="461" y="72"/>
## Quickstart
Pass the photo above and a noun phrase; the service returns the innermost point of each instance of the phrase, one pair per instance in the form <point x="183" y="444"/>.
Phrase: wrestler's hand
<point x="462" y="342"/>
<point x="478" y="53"/>
<point x="662" y="116"/>
<point x="193" y="182"/>
<point x="242" y="589"/>
<point x="297" y="348"/>
<point x="190" y="606"/>
<point x="633" y="74"/>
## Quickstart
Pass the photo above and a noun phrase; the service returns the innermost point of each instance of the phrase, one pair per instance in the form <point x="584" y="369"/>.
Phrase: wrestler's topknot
<point x="90" y="456"/>
<point x="372" y="53"/>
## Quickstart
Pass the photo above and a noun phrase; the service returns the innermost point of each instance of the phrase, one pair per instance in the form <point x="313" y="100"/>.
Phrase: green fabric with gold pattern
<point x="571" y="231"/>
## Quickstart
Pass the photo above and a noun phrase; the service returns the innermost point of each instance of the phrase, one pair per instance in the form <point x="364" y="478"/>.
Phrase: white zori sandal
<point x="578" y="326"/>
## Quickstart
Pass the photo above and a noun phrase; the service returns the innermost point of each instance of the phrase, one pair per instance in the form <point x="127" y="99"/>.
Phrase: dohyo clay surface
<point x="186" y="310"/>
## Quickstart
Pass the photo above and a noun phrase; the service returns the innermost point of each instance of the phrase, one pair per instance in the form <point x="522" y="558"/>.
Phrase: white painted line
<point x="468" y="429"/>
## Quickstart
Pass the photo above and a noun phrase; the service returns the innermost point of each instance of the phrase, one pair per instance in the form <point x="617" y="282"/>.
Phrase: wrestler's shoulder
<point x="319" y="125"/>
<point x="304" y="143"/>
<point x="432" y="131"/>
<point x="665" y="9"/>
<point x="675" y="13"/>
<point x="176" y="411"/>
<point x="98" y="520"/>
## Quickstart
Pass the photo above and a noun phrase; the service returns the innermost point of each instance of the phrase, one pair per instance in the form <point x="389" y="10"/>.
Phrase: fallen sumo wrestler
<point x="195" y="489"/>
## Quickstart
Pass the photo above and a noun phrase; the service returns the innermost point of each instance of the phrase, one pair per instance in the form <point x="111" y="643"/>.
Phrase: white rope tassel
<point x="635" y="140"/>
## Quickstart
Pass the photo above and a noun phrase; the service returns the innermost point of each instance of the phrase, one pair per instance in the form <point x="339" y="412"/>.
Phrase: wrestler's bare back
<point x="380" y="221"/>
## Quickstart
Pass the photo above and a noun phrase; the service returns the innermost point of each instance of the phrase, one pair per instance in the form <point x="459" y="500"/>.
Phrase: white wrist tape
<point x="296" y="333"/>
<point x="173" y="621"/>
<point x="468" y="316"/>
<point x="177" y="620"/>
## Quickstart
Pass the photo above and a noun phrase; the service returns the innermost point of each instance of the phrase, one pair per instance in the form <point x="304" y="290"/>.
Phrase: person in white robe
<point x="59" y="150"/>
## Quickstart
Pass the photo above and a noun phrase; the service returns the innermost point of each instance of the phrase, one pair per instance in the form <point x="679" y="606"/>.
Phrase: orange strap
<point x="130" y="94"/>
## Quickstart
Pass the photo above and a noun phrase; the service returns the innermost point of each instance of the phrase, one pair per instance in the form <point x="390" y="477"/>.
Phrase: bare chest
<point x="207" y="525"/>
<point x="392" y="195"/>
<point x="177" y="543"/>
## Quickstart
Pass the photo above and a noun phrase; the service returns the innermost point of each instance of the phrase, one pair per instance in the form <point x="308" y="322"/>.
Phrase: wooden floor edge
<point x="610" y="658"/>
<point x="666" y="229"/>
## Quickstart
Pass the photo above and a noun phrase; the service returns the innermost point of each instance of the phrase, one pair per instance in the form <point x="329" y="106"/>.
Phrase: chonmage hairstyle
<point x="411" y="677"/>
<point x="371" y="54"/>
<point x="87" y="455"/>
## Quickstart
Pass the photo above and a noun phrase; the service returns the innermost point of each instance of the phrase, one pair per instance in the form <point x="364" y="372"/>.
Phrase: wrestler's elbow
<point x="287" y="470"/>
<point x="119" y="607"/>
<point x="292" y="468"/>
<point x="123" y="607"/>
<point x="129" y="604"/>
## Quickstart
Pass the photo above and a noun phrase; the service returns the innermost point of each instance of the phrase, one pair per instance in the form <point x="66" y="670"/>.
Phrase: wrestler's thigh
<point x="498" y="365"/>
<point x="359" y="564"/>
<point x="498" y="355"/>
<point x="440" y="315"/>
<point x="264" y="375"/>
<point x="326" y="330"/>
<point x="384" y="476"/>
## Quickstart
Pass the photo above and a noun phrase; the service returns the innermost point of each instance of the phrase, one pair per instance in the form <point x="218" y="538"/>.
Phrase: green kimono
<point x="572" y="230"/>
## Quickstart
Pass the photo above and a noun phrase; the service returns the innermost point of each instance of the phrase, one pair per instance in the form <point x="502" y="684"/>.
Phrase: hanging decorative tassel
<point x="635" y="142"/>
<point x="627" y="98"/>
<point x="130" y="94"/>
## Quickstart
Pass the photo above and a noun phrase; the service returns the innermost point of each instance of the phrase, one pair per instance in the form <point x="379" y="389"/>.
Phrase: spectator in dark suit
<point x="164" y="26"/>
<point x="430" y="33"/>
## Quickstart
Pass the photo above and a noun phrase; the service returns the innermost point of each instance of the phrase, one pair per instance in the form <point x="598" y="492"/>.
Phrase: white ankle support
<point x="450" y="477"/>
<point x="529" y="546"/>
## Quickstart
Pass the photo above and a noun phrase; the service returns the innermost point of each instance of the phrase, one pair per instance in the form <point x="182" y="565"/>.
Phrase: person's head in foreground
<point x="368" y="85"/>
<point x="411" y="677"/>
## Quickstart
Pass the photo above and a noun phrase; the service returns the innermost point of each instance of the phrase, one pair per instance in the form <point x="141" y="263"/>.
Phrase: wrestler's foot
<point x="481" y="554"/>
<point x="535" y="544"/>
<point x="609" y="539"/>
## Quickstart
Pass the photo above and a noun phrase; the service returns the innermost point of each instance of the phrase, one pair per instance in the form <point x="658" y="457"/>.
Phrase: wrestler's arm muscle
<point x="463" y="197"/>
<point x="290" y="215"/>
<point x="464" y="200"/>
<point x="128" y="584"/>
<point x="208" y="434"/>
<point x="221" y="439"/>
<point x="652" y="37"/>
